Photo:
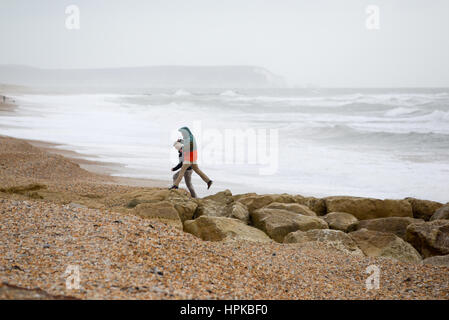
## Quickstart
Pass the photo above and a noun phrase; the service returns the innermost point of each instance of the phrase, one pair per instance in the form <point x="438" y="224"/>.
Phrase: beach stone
<point x="437" y="260"/>
<point x="441" y="213"/>
<point x="341" y="221"/>
<point x="212" y="208"/>
<point x="149" y="195"/>
<point x="240" y="211"/>
<point x="315" y="204"/>
<point x="383" y="244"/>
<point x="184" y="205"/>
<point x="186" y="209"/>
<point x="292" y="207"/>
<point x="181" y="200"/>
<point x="254" y="202"/>
<point x="223" y="229"/>
<point x="334" y="238"/>
<point x="237" y="197"/>
<point x="224" y="197"/>
<point x="277" y="223"/>
<point x="163" y="211"/>
<point x="396" y="225"/>
<point x="429" y="238"/>
<point x="423" y="209"/>
<point x="369" y="208"/>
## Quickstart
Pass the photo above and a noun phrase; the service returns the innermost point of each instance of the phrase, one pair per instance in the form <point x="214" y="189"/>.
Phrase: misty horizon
<point x="323" y="44"/>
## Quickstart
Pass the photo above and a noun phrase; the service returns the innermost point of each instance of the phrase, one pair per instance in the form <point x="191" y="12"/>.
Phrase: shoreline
<point x="54" y="214"/>
<point x="98" y="167"/>
<point x="110" y="168"/>
<point x="310" y="184"/>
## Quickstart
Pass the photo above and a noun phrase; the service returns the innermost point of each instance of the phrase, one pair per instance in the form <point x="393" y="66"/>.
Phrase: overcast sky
<point x="319" y="42"/>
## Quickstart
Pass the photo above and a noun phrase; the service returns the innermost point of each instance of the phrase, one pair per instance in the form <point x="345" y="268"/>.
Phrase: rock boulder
<point x="229" y="209"/>
<point x="333" y="238"/>
<point x="430" y="238"/>
<point x="315" y="204"/>
<point x="441" y="214"/>
<point x="423" y="209"/>
<point x="383" y="244"/>
<point x="437" y="261"/>
<point x="369" y="208"/>
<point x="254" y="202"/>
<point x="223" y="197"/>
<point x="396" y="225"/>
<point x="163" y="211"/>
<point x="277" y="223"/>
<point x="341" y="221"/>
<point x="223" y="229"/>
<point x="292" y="207"/>
<point x="184" y="204"/>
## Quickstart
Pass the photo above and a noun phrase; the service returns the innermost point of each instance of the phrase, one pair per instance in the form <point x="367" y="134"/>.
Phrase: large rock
<point x="224" y="197"/>
<point x="223" y="229"/>
<point x="423" y="209"/>
<point x="237" y="197"/>
<point x="292" y="207"/>
<point x="334" y="238"/>
<point x="368" y="208"/>
<point x="210" y="208"/>
<point x="239" y="211"/>
<point x="163" y="211"/>
<point x="184" y="204"/>
<point x="231" y="209"/>
<point x="383" y="244"/>
<point x="341" y="221"/>
<point x="437" y="260"/>
<point x="180" y="199"/>
<point x="441" y="213"/>
<point x="396" y="225"/>
<point x="277" y="223"/>
<point x="315" y="204"/>
<point x="430" y="238"/>
<point x="150" y="195"/>
<point x="254" y="202"/>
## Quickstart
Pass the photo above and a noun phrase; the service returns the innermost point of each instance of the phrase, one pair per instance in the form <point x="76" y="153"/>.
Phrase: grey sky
<point x="320" y="42"/>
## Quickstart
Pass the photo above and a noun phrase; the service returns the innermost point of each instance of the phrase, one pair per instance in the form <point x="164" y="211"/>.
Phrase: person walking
<point x="188" y="173"/>
<point x="190" y="157"/>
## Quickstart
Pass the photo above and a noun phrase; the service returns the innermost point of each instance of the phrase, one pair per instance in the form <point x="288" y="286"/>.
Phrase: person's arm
<point x="178" y="166"/>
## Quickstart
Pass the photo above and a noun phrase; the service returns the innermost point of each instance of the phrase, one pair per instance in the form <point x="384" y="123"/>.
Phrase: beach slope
<point x="125" y="242"/>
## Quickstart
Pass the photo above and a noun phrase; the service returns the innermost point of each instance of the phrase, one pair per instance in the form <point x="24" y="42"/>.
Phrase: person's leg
<point x="175" y="176"/>
<point x="200" y="173"/>
<point x="188" y="180"/>
<point x="181" y="174"/>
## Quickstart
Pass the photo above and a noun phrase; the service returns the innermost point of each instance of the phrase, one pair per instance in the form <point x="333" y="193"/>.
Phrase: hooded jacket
<point x="190" y="149"/>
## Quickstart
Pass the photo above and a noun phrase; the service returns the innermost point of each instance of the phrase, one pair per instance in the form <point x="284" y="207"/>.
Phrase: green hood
<point x="186" y="133"/>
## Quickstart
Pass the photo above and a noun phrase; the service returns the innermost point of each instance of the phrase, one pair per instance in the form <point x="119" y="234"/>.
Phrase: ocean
<point x="383" y="143"/>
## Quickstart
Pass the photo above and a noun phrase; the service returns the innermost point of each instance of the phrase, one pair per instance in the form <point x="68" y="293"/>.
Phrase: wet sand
<point x="99" y="167"/>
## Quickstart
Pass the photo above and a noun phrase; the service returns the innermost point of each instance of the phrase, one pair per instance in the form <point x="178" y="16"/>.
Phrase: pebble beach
<point x="46" y="234"/>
